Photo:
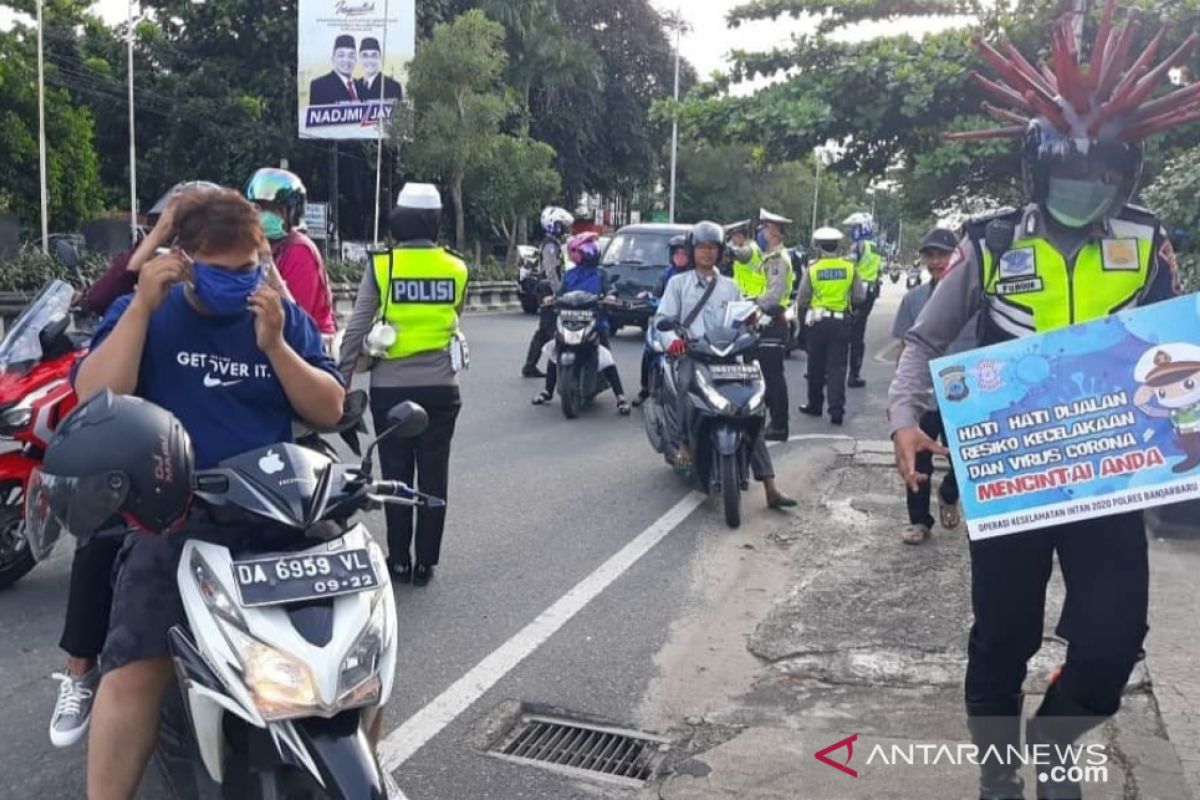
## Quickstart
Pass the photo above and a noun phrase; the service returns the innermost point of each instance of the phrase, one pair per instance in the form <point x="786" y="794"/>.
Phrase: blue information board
<point x="1082" y="422"/>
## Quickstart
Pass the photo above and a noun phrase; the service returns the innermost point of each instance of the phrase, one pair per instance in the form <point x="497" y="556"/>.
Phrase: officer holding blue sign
<point x="1077" y="252"/>
<point x="405" y="326"/>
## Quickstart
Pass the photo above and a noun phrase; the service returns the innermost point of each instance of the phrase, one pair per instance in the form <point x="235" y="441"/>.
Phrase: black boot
<point x="994" y="734"/>
<point x="1057" y="726"/>
<point x="530" y="370"/>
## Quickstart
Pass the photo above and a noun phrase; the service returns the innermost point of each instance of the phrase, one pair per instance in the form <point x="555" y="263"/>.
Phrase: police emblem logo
<point x="1020" y="263"/>
<point x="1120" y="254"/>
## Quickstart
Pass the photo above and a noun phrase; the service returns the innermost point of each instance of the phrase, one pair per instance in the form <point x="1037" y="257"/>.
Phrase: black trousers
<point x="89" y="597"/>
<point x="770" y="354"/>
<point x="858" y="335"/>
<point x="828" y="340"/>
<point x="1105" y="568"/>
<point x="424" y="459"/>
<point x="547" y="319"/>
<point x="918" y="501"/>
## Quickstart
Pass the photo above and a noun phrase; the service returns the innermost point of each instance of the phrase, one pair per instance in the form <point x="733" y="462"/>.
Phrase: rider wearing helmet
<point x="206" y="339"/>
<point x="281" y="198"/>
<point x="587" y="276"/>
<point x="677" y="249"/>
<point x="700" y="297"/>
<point x="831" y="287"/>
<point x="120" y="277"/>
<point x="1075" y="252"/>
<point x="867" y="263"/>
<point x="556" y="224"/>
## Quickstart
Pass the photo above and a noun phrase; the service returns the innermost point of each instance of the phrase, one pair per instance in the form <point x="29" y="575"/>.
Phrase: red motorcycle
<point x="36" y="357"/>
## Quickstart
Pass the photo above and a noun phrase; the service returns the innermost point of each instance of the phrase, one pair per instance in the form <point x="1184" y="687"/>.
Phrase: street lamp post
<point x="132" y="138"/>
<point x="816" y="189"/>
<point x="675" y="116"/>
<point x="42" y="134"/>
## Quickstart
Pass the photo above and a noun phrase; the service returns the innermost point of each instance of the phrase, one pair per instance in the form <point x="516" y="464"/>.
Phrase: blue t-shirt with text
<point x="209" y="372"/>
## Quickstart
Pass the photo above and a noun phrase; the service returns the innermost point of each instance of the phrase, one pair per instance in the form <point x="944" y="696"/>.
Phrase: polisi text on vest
<point x="422" y="290"/>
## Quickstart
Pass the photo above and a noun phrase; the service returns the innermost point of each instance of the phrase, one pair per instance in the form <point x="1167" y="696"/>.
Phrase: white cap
<point x="424" y="196"/>
<point x="827" y="235"/>
<point x="765" y="216"/>
<point x="1167" y="363"/>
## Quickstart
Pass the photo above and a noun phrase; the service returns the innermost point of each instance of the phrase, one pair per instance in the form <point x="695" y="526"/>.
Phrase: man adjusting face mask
<point x="222" y="291"/>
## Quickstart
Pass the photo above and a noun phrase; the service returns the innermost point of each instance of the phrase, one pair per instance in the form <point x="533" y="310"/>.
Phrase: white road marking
<point x="393" y="791"/>
<point x="805" y="437"/>
<point x="888" y="354"/>
<point x="402" y="743"/>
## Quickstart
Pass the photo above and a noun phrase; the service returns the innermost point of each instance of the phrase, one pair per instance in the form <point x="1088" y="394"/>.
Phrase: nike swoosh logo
<point x="212" y="383"/>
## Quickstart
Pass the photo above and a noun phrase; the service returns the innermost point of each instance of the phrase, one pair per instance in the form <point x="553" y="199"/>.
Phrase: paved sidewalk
<point x="866" y="637"/>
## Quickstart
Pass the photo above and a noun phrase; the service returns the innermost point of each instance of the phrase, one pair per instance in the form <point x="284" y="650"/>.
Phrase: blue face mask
<point x="222" y="291"/>
<point x="761" y="238"/>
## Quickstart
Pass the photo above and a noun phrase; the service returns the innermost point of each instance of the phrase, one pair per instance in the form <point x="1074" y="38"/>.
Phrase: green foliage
<point x="342" y="271"/>
<point x="517" y="179"/>
<point x="30" y="270"/>
<point x="1173" y="197"/>
<point x="492" y="270"/>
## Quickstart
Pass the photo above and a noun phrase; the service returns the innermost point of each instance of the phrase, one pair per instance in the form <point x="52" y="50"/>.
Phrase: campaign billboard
<point x="350" y="73"/>
<point x="1081" y="422"/>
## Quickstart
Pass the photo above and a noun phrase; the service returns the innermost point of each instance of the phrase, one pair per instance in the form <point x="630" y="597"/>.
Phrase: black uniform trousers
<point x="1105" y="568"/>
<point x="547" y="323"/>
<point x="918" y="501"/>
<point x="858" y="335"/>
<point x="828" y="340"/>
<point x="90" y="597"/>
<point x="425" y="459"/>
<point x="770" y="353"/>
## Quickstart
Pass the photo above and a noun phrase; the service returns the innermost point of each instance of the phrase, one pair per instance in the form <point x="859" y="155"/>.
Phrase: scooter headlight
<point x="15" y="419"/>
<point x="359" y="683"/>
<point x="213" y="593"/>
<point x="282" y="686"/>
<point x="710" y="394"/>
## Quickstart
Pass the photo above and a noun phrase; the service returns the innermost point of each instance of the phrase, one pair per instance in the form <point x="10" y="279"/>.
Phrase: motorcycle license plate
<point x="735" y="372"/>
<point x="289" y="579"/>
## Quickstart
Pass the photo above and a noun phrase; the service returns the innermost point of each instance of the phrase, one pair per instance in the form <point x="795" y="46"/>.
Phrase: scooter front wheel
<point x="16" y="559"/>
<point x="731" y="490"/>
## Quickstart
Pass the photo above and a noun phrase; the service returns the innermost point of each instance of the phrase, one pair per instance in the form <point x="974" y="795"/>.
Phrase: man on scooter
<point x="201" y="322"/>
<point x="693" y="297"/>
<point x="588" y="276"/>
<point x="680" y="262"/>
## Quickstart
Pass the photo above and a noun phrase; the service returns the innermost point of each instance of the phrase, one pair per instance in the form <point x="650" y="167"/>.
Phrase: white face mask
<point x="1077" y="203"/>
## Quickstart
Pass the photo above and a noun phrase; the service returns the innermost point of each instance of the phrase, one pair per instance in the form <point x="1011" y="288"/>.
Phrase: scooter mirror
<point x="665" y="325"/>
<point x="406" y="419"/>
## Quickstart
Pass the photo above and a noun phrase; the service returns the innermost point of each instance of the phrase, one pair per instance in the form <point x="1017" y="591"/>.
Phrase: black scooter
<point x="580" y="377"/>
<point x="726" y="394"/>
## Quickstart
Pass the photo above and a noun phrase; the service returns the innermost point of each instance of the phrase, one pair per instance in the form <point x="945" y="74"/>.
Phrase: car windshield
<point x="639" y="248"/>
<point x="22" y="344"/>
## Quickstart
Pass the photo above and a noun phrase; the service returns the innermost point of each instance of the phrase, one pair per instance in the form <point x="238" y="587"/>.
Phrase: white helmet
<point x="827" y="235"/>
<point x="556" y="220"/>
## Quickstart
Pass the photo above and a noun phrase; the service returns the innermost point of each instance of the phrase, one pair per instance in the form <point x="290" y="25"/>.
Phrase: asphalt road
<point x="536" y="504"/>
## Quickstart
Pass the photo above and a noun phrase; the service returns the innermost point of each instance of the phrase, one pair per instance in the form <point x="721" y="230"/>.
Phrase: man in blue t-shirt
<point x="203" y="337"/>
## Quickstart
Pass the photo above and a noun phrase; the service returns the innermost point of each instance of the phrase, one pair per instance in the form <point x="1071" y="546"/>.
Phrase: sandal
<point x="682" y="465"/>
<point x="541" y="398"/>
<point x="949" y="515"/>
<point x="623" y="407"/>
<point x="915" y="534"/>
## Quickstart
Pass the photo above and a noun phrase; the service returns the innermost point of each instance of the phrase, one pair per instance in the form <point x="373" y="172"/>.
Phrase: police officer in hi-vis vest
<point x="405" y="320"/>
<point x="867" y="262"/>
<point x="1075" y="253"/>
<point x="828" y="293"/>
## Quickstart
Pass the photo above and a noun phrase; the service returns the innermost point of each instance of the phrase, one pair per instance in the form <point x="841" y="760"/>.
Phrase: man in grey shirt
<point x="685" y="294"/>
<point x="936" y="249"/>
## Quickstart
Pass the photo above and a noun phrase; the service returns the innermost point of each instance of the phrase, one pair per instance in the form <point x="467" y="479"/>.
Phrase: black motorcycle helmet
<point x="1060" y="172"/>
<point x="704" y="233"/>
<point x="117" y="455"/>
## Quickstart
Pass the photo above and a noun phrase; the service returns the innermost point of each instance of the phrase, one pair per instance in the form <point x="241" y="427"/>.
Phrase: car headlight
<point x="714" y="398"/>
<point x="359" y="683"/>
<point x="281" y="685"/>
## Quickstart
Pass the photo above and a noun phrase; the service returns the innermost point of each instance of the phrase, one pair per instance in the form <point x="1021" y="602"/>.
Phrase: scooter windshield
<point x="22" y="344"/>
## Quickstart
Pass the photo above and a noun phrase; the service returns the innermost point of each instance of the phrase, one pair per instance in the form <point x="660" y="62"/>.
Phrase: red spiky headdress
<point x="1108" y="98"/>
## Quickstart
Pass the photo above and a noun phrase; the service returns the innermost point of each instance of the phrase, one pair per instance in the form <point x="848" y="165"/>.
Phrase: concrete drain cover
<point x="583" y="749"/>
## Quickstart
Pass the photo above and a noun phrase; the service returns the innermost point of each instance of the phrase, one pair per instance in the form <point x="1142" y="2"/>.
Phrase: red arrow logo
<point x="848" y="743"/>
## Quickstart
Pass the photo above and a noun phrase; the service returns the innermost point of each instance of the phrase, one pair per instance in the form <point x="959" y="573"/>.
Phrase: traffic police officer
<point x="770" y="286"/>
<point x="405" y="320"/>
<point x="552" y="259"/>
<point x="1075" y="253"/>
<point x="830" y="289"/>
<point x="867" y="265"/>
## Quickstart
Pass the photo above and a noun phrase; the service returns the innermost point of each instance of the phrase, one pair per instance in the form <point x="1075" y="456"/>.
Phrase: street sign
<point x="316" y="219"/>
<point x="1077" y="423"/>
<point x="659" y="215"/>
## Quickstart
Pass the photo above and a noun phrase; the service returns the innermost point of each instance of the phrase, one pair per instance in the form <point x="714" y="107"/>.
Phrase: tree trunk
<point x="460" y="228"/>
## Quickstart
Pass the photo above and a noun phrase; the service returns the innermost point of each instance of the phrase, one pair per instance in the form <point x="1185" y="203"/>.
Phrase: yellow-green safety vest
<point x="420" y="290"/>
<point x="832" y="282"/>
<point x="869" y="263"/>
<point x="1032" y="289"/>
<point x="750" y="277"/>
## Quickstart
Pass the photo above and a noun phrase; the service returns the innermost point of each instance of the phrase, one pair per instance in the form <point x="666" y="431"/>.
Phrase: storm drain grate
<point x="584" y="750"/>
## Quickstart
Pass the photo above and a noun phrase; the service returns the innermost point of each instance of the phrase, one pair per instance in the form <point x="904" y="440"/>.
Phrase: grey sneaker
<point x="73" y="710"/>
